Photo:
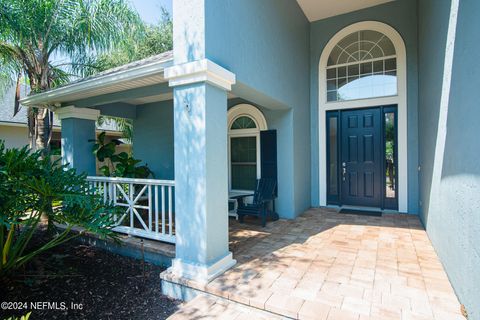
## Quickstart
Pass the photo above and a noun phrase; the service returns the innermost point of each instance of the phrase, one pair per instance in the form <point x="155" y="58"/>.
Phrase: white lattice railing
<point x="148" y="204"/>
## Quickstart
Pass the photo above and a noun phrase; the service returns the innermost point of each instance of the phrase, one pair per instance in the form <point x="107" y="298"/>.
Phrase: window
<point x="244" y="125"/>
<point x="333" y="156"/>
<point x="243" y="122"/>
<point x="362" y="65"/>
<point x="390" y="156"/>
<point x="243" y="162"/>
<point x="243" y="153"/>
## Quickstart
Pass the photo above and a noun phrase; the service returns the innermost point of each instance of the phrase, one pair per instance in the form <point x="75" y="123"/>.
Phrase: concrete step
<point x="206" y="306"/>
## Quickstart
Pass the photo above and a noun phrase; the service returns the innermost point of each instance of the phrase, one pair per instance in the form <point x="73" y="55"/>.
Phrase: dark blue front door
<point x="361" y="157"/>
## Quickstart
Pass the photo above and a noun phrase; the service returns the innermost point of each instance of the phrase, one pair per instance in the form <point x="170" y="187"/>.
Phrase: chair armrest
<point x="269" y="199"/>
<point x="242" y="196"/>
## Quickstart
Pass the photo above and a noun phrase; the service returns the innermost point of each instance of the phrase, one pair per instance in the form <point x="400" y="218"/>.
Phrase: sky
<point x="149" y="10"/>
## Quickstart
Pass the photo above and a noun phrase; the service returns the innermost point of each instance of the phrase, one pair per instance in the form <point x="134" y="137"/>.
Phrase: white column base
<point x="199" y="272"/>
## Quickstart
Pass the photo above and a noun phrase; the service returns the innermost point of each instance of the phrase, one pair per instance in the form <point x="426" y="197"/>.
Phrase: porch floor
<point x="326" y="265"/>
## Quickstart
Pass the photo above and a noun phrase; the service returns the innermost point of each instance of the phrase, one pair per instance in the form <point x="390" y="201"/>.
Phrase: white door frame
<point x="261" y="124"/>
<point x="400" y="100"/>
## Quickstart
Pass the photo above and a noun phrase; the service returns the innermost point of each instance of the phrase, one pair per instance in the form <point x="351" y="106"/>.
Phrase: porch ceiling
<point x="321" y="9"/>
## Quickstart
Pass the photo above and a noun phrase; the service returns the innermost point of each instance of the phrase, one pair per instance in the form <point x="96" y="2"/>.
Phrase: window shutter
<point x="268" y="155"/>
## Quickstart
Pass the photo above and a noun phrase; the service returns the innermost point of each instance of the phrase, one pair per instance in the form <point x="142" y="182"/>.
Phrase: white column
<point x="201" y="183"/>
<point x="78" y="129"/>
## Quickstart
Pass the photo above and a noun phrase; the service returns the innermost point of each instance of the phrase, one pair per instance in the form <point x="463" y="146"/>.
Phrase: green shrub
<point x="32" y="186"/>
<point x="118" y="165"/>
<point x="25" y="317"/>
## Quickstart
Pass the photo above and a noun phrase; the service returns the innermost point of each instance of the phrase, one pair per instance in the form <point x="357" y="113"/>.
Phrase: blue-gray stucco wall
<point x="266" y="44"/>
<point x="153" y="138"/>
<point x="402" y="16"/>
<point x="433" y="26"/>
<point x="451" y="210"/>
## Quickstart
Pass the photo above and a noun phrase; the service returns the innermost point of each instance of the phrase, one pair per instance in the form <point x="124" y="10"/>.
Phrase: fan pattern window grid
<point x="243" y="122"/>
<point x="362" y="65"/>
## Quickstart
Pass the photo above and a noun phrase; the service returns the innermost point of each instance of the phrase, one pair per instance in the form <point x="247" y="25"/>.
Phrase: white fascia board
<point x="54" y="95"/>
<point x="12" y="124"/>
<point x="200" y="71"/>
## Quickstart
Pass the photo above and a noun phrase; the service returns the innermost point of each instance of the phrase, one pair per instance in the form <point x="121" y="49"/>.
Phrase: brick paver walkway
<point x="325" y="265"/>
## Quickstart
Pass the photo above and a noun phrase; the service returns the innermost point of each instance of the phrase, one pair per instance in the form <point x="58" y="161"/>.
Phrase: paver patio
<point x="326" y="265"/>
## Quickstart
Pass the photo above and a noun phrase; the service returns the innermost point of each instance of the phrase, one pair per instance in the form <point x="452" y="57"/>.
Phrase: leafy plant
<point x="118" y="165"/>
<point x="25" y="317"/>
<point x="32" y="186"/>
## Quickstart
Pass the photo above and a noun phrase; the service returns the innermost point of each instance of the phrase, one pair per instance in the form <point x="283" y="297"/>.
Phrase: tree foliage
<point x="123" y="125"/>
<point x="34" y="32"/>
<point x="154" y="39"/>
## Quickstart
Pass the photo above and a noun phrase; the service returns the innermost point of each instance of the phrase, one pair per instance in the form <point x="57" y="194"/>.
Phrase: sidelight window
<point x="390" y="157"/>
<point x="333" y="144"/>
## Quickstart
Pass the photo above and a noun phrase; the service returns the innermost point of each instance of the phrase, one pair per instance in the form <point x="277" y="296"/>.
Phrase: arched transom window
<point x="362" y="65"/>
<point x="243" y="122"/>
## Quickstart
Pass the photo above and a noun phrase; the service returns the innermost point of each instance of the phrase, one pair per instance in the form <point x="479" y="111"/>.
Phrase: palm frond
<point x="10" y="67"/>
<point x="122" y="124"/>
<point x="97" y="26"/>
<point x="58" y="76"/>
<point x="32" y="31"/>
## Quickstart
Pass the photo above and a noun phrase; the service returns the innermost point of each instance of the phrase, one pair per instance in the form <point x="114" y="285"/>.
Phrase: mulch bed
<point x="104" y="285"/>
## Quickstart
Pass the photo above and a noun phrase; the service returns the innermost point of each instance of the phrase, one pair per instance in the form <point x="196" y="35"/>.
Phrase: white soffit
<point x="161" y="97"/>
<point x="321" y="9"/>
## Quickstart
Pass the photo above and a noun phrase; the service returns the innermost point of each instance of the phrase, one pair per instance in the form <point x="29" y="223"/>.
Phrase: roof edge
<point x="49" y="97"/>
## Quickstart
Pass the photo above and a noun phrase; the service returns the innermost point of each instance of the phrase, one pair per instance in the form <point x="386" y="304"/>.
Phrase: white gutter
<point x="12" y="124"/>
<point x="58" y="95"/>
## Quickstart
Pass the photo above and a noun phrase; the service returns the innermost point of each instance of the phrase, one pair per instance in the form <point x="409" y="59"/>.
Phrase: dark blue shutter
<point x="268" y="155"/>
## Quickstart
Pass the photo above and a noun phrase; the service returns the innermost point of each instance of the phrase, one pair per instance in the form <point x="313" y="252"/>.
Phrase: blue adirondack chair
<point x="263" y="196"/>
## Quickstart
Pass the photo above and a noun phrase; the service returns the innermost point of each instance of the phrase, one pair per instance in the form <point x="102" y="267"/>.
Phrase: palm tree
<point x="34" y="33"/>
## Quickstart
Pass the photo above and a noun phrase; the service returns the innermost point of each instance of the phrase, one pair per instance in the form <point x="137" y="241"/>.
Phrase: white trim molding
<point x="247" y="110"/>
<point x="199" y="272"/>
<point x="77" y="113"/>
<point x="400" y="100"/>
<point x="200" y="71"/>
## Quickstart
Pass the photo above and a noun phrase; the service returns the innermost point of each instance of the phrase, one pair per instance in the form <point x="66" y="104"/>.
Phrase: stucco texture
<point x="451" y="204"/>
<point x="153" y="138"/>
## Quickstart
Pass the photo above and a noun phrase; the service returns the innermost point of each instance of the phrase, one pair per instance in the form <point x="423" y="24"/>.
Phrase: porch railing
<point x="148" y="204"/>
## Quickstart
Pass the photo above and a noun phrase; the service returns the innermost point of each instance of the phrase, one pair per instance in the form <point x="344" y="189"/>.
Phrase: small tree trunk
<point x="31" y="127"/>
<point x="44" y="119"/>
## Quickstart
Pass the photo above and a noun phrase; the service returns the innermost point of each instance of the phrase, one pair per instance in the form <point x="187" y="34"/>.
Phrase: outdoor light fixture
<point x="188" y="108"/>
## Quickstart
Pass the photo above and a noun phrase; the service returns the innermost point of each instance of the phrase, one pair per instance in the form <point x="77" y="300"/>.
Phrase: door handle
<point x="344" y="170"/>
